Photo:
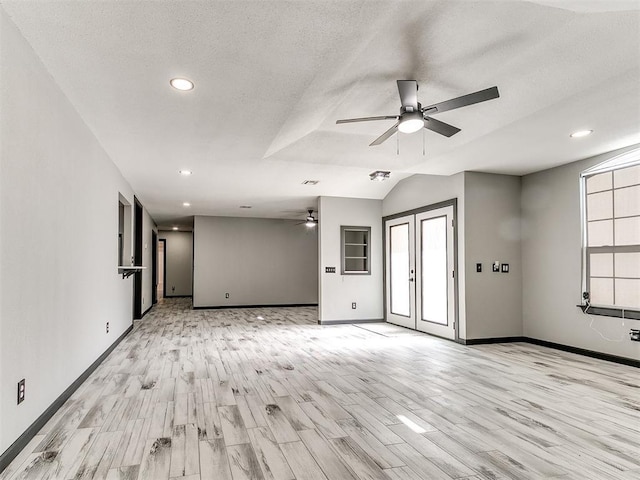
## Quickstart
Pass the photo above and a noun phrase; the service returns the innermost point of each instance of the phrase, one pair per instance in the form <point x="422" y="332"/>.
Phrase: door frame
<point x="154" y="267"/>
<point x="137" y="256"/>
<point x="164" y="267"/>
<point x="456" y="306"/>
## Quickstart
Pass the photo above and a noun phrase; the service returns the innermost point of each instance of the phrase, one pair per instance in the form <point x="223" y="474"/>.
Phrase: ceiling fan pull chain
<point x="397" y="143"/>
<point x="423" y="142"/>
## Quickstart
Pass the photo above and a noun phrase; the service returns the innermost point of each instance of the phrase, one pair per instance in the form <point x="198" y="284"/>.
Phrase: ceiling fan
<point x="310" y="221"/>
<point x="413" y="116"/>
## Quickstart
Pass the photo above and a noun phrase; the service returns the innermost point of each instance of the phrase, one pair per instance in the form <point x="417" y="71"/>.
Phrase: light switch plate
<point x="21" y="391"/>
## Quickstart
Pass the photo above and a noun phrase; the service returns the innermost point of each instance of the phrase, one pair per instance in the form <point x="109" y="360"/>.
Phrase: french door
<point x="400" y="271"/>
<point x="420" y="288"/>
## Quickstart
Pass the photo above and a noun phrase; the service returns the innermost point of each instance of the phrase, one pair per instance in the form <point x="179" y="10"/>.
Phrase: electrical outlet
<point x="21" y="391"/>
<point x="634" y="335"/>
<point x="496" y="266"/>
<point x="353" y="305"/>
<point x="107" y="327"/>
<point x="226" y="295"/>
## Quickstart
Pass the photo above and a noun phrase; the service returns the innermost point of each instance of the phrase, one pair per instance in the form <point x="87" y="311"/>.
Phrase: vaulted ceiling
<point x="272" y="77"/>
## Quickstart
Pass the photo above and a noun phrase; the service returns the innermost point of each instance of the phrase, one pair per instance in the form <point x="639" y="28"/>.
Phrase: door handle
<point x="411" y="279"/>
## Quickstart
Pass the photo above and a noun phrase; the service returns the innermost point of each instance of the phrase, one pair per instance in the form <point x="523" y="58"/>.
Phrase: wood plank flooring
<point x="269" y="394"/>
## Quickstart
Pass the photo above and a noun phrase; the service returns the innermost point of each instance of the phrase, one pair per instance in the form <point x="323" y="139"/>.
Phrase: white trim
<point x="624" y="160"/>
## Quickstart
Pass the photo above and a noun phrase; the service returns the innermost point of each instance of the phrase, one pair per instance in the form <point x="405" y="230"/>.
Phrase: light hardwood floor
<point x="269" y="394"/>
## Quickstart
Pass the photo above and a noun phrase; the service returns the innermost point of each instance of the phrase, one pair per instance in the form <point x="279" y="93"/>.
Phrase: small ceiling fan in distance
<point x="310" y="221"/>
<point x="413" y="116"/>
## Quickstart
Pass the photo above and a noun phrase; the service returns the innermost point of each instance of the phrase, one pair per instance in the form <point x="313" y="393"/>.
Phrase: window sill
<point x="610" y="312"/>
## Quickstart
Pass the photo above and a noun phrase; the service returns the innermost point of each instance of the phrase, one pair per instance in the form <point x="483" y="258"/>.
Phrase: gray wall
<point x="257" y="261"/>
<point x="179" y="263"/>
<point x="551" y="255"/>
<point x="59" y="282"/>
<point x="338" y="292"/>
<point x="492" y="232"/>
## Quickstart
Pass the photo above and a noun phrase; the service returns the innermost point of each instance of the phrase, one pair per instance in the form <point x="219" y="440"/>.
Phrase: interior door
<point x="435" y="284"/>
<point x="400" y="268"/>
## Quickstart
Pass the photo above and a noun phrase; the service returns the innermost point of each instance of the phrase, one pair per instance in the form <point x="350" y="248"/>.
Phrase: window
<point x="611" y="233"/>
<point x="355" y="250"/>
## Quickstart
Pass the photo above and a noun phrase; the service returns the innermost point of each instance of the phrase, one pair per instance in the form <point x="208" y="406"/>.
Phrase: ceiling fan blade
<point x="440" y="127"/>
<point x="385" y="135"/>
<point x="463" y="101"/>
<point x="368" y="119"/>
<point x="408" y="90"/>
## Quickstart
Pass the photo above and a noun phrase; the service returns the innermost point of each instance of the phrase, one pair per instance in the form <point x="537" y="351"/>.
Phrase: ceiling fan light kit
<point x="411" y="122"/>
<point x="414" y="117"/>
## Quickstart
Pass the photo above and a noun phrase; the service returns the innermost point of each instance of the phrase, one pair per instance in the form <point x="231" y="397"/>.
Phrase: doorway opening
<point x="137" y="258"/>
<point x="154" y="267"/>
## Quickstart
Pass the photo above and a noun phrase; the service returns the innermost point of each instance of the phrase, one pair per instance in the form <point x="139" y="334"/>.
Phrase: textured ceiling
<point x="272" y="77"/>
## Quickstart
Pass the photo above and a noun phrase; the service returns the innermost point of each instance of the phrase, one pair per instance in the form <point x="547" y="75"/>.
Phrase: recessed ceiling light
<point x="185" y="173"/>
<point x="379" y="175"/>
<point x="581" y="133"/>
<point x="181" y="84"/>
<point x="175" y="228"/>
<point x="245" y="206"/>
<point x="186" y="204"/>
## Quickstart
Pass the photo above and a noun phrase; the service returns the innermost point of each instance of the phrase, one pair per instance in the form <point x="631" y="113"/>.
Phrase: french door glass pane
<point x="434" y="270"/>
<point x="399" y="266"/>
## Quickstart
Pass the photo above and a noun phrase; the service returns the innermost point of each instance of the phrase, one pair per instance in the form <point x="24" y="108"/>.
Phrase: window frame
<point x="343" y="245"/>
<point x="625" y="160"/>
